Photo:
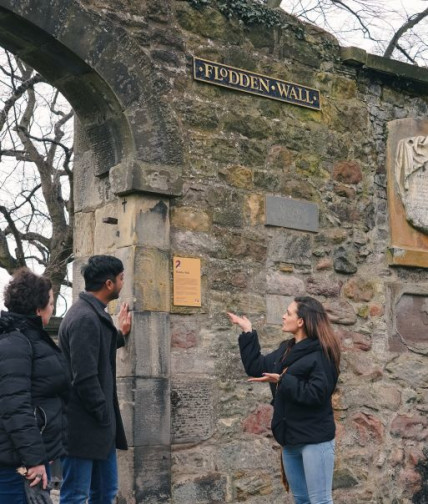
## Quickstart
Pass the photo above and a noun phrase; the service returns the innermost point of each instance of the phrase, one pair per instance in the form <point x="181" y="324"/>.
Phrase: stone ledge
<point x="134" y="176"/>
<point x="358" y="57"/>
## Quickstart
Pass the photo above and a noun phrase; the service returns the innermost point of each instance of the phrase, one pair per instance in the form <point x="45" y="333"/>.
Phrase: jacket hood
<point x="299" y="350"/>
<point x="10" y="321"/>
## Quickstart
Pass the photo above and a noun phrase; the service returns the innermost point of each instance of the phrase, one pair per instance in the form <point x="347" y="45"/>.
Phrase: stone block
<point x="49" y="16"/>
<point x="348" y="172"/>
<point x="245" y="455"/>
<point x="208" y="488"/>
<point x="78" y="281"/>
<point x="126" y="469"/>
<point x="284" y="284"/>
<point x="143" y="221"/>
<point x="136" y="176"/>
<point x="409" y="368"/>
<point x="352" y="340"/>
<point x="238" y="176"/>
<point x="192" y="361"/>
<point x="88" y="44"/>
<point x="323" y="286"/>
<point x="276" y="306"/>
<point x="152" y="474"/>
<point x="185" y="330"/>
<point x="192" y="243"/>
<point x="191" y="219"/>
<point x="192" y="409"/>
<point x="291" y="213"/>
<point x="126" y="397"/>
<point x="254" y="209"/>
<point x="230" y="216"/>
<point x="250" y="485"/>
<point x="157" y="130"/>
<point x="83" y="239"/>
<point x="344" y="261"/>
<point x="340" y="312"/>
<point x="89" y="191"/>
<point x="359" y="289"/>
<point x="290" y="247"/>
<point x="413" y="427"/>
<point x="369" y="428"/>
<point x="110" y="138"/>
<point x="106" y="235"/>
<point x="152" y="290"/>
<point x="152" y="414"/>
<point x="147" y="350"/>
<point x="259" y="421"/>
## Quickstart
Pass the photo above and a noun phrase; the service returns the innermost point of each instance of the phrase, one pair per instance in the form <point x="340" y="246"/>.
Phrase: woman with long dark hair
<point x="302" y="373"/>
<point x="33" y="387"/>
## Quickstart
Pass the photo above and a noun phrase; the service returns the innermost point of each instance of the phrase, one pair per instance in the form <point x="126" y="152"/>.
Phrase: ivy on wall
<point x="250" y="13"/>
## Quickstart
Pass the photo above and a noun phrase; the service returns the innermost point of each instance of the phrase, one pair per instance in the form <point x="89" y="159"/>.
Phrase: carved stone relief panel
<point x="407" y="317"/>
<point x="407" y="170"/>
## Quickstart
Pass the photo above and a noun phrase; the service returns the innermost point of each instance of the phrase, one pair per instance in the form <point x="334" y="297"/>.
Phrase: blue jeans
<point x="85" y="479"/>
<point x="309" y="471"/>
<point x="12" y="486"/>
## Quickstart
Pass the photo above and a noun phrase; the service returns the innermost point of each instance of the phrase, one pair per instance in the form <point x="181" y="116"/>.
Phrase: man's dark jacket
<point x="33" y="388"/>
<point x="89" y="340"/>
<point x="303" y="413"/>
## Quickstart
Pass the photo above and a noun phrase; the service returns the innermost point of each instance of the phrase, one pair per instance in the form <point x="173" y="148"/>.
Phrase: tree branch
<point x="410" y="23"/>
<point x="23" y="88"/>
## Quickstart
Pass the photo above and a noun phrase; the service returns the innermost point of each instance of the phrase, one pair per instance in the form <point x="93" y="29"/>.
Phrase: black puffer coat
<point x="33" y="390"/>
<point x="303" y="413"/>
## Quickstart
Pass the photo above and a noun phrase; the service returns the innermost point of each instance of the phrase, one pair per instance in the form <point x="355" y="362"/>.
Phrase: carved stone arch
<point x="131" y="141"/>
<point x="111" y="84"/>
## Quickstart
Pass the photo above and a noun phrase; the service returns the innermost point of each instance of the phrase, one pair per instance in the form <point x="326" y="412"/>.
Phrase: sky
<point x="386" y="17"/>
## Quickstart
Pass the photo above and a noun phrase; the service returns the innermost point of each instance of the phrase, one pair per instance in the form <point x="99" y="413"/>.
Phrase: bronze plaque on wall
<point x="187" y="281"/>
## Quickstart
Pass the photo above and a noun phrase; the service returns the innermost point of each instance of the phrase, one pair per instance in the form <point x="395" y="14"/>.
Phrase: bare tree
<point x="393" y="29"/>
<point x="36" y="154"/>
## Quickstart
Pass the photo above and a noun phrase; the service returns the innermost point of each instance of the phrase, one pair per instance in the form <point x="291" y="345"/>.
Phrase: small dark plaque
<point x="254" y="83"/>
<point x="293" y="214"/>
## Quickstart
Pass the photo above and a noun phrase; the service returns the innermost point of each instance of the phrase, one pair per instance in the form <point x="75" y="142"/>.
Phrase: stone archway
<point x="128" y="161"/>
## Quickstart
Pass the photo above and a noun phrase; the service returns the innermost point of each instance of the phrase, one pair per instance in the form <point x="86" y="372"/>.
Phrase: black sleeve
<point x="16" y="409"/>
<point x="314" y="390"/>
<point x="254" y="362"/>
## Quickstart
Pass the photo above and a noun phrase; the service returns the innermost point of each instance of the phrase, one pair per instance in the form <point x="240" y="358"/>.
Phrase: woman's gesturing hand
<point x="267" y="377"/>
<point x="242" y="322"/>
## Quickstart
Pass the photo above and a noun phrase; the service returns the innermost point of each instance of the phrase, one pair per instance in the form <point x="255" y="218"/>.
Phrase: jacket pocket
<point x="41" y="418"/>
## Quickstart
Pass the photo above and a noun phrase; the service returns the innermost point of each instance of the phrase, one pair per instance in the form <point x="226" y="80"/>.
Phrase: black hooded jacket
<point x="33" y="390"/>
<point x="303" y="413"/>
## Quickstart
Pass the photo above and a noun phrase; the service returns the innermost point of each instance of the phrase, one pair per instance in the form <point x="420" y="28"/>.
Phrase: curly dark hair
<point x="26" y="292"/>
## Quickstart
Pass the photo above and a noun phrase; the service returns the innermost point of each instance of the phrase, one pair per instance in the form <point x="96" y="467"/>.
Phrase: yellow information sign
<point x="187" y="281"/>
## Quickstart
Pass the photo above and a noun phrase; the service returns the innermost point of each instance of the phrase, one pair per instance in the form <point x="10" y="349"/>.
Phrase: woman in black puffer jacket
<point x="303" y="373"/>
<point x="33" y="386"/>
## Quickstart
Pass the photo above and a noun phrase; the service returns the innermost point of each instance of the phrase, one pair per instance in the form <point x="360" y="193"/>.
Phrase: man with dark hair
<point x="89" y="341"/>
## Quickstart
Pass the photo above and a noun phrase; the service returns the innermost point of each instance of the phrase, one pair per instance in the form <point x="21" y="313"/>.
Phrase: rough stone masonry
<point x="186" y="167"/>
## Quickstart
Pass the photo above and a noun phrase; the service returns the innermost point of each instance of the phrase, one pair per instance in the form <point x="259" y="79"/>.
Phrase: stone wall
<point x="185" y="168"/>
<point x="238" y="149"/>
